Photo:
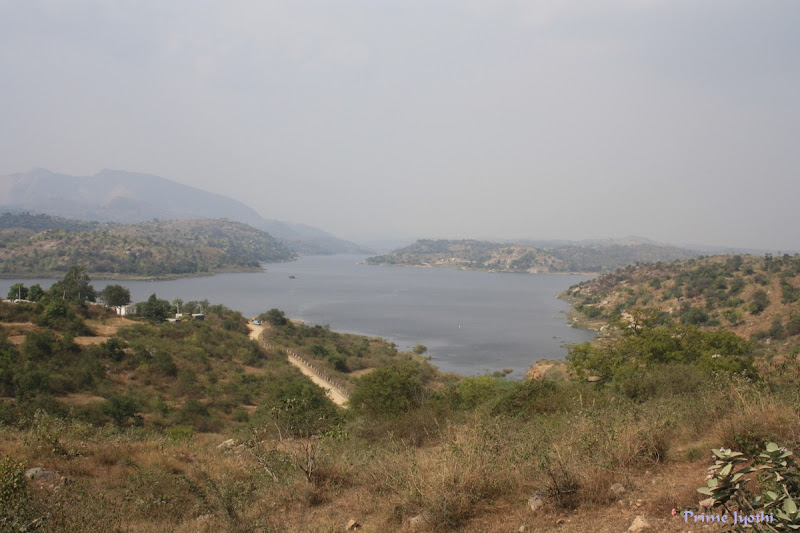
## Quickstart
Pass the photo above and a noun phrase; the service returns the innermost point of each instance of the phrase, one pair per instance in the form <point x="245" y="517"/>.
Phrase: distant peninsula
<point x="524" y="257"/>
<point x="45" y="246"/>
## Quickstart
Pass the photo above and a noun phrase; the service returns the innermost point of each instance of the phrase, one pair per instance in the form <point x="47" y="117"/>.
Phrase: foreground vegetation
<point x="191" y="426"/>
<point x="40" y="245"/>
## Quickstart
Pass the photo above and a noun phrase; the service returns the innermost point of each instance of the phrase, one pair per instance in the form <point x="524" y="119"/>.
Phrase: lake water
<point x="471" y="322"/>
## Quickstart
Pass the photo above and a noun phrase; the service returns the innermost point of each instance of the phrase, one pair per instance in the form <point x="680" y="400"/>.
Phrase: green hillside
<point x="473" y="255"/>
<point x="757" y="298"/>
<point x="39" y="245"/>
<point x="510" y="257"/>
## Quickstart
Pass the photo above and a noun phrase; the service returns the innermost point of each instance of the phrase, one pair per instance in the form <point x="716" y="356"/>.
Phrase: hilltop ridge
<point x="40" y="245"/>
<point x="531" y="256"/>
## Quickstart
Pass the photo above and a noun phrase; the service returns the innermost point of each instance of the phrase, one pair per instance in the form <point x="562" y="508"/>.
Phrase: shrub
<point x="694" y="315"/>
<point x="389" y="391"/>
<point x="276" y="317"/>
<point x="122" y="408"/>
<point x="526" y="398"/>
<point x="16" y="512"/>
<point x="179" y="432"/>
<point x="471" y="392"/>
<point x="759" y="302"/>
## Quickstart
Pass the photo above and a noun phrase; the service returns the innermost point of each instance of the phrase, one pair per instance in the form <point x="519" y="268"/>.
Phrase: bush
<point x="16" y="509"/>
<point x="695" y="316"/>
<point x="591" y="311"/>
<point x="276" y="317"/>
<point x="179" y="432"/>
<point x="759" y="302"/>
<point x="539" y="396"/>
<point x="122" y="409"/>
<point x="389" y="391"/>
<point x="471" y="392"/>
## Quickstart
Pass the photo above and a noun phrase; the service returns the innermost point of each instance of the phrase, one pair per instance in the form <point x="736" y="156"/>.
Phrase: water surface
<point x="471" y="322"/>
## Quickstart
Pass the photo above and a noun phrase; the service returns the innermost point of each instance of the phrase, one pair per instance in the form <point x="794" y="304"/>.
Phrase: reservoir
<point x="471" y="322"/>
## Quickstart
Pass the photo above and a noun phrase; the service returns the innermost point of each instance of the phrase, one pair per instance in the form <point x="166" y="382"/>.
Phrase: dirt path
<point x="333" y="392"/>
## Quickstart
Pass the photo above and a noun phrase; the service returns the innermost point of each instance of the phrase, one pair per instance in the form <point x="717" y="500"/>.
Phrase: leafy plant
<point x="778" y="479"/>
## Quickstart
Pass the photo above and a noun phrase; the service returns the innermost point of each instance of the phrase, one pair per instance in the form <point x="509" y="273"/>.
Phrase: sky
<point x="381" y="119"/>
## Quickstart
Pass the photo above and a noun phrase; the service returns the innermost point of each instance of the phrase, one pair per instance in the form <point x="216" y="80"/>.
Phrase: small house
<point x="125" y="310"/>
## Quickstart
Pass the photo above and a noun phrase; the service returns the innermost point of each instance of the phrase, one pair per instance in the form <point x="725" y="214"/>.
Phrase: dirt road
<point x="331" y="391"/>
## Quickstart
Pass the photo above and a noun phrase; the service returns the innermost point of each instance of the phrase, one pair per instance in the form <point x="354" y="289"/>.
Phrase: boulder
<point x="416" y="522"/>
<point x="40" y="474"/>
<point x="536" y="501"/>
<point x="639" y="524"/>
<point x="227" y="444"/>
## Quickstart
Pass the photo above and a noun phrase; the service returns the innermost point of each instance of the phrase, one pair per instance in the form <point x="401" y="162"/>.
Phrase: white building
<point x="124" y="310"/>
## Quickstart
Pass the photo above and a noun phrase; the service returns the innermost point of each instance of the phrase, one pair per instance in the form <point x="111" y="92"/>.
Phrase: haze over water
<point x="471" y="322"/>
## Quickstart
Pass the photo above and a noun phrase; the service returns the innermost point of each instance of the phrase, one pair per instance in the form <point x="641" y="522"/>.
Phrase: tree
<point x="154" y="309"/>
<point x="420" y="349"/>
<point x="35" y="292"/>
<point x="18" y="291"/>
<point x="114" y="295"/>
<point x="121" y="408"/>
<point x="75" y="286"/>
<point x="759" y="302"/>
<point x="276" y="317"/>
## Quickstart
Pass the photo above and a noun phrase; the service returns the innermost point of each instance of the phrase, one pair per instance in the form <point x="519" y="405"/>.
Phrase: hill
<point x="129" y="197"/>
<point x="754" y="297"/>
<point x="593" y="256"/>
<point x="40" y="245"/>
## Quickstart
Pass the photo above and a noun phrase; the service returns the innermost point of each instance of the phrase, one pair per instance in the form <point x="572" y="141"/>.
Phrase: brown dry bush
<point x="754" y="417"/>
<point x="468" y="475"/>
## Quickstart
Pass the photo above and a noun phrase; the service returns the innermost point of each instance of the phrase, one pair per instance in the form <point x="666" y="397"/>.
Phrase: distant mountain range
<point x="548" y="256"/>
<point x="129" y="198"/>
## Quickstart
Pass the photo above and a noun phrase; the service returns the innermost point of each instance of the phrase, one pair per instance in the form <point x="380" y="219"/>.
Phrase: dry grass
<point x="475" y="474"/>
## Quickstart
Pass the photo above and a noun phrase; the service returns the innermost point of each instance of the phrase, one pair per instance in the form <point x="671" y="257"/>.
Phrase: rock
<point x="227" y="444"/>
<point x="32" y="472"/>
<point x="522" y="529"/>
<point x="39" y="474"/>
<point x="416" y="522"/>
<point x="639" y="524"/>
<point x="594" y="379"/>
<point x="617" y="489"/>
<point x="352" y="525"/>
<point x="536" y="501"/>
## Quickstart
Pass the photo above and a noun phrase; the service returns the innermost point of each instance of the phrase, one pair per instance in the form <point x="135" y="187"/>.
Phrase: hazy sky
<point x="675" y="120"/>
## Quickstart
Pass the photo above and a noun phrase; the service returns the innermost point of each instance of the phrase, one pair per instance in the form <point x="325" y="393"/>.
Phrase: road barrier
<point x="337" y="385"/>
